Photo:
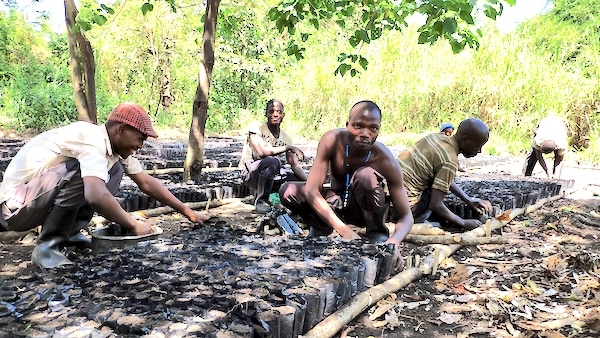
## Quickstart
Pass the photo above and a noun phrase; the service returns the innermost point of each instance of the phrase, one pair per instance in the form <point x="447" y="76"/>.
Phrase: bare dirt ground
<point x="545" y="282"/>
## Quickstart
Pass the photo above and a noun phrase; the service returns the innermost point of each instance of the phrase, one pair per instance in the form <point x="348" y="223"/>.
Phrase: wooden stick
<point x="180" y="170"/>
<point x="436" y="261"/>
<point x="166" y="209"/>
<point x="453" y="239"/>
<point x="426" y="229"/>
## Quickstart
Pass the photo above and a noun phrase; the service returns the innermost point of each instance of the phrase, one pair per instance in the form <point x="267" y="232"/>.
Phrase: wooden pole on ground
<point x="166" y="209"/>
<point x="180" y="170"/>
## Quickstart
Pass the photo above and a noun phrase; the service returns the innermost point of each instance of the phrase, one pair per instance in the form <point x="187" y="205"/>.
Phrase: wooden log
<point x="453" y="239"/>
<point x="426" y="229"/>
<point x="180" y="170"/>
<point x="166" y="209"/>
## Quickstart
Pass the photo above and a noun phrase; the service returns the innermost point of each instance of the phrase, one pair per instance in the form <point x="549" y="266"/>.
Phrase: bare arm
<point x="399" y="202"/>
<point x="103" y="202"/>
<point x="154" y="188"/>
<point x="316" y="178"/>
<point x="263" y="149"/>
<point x="294" y="160"/>
<point x="557" y="161"/>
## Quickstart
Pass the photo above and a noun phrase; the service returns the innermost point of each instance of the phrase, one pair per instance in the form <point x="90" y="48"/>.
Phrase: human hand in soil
<point x="141" y="228"/>
<point x="470" y="224"/>
<point x="349" y="234"/>
<point x="481" y="206"/>
<point x="398" y="260"/>
<point x="196" y="217"/>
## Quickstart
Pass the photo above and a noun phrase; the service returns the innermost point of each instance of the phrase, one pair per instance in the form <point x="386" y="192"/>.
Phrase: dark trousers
<point x="60" y="185"/>
<point x="268" y="167"/>
<point x="367" y="194"/>
<point x="420" y="210"/>
<point x="530" y="163"/>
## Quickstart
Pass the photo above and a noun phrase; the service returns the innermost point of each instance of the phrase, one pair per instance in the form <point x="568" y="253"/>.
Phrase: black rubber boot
<point x="377" y="232"/>
<point x="263" y="190"/>
<point x="55" y="230"/>
<point x="76" y="238"/>
<point x="317" y="227"/>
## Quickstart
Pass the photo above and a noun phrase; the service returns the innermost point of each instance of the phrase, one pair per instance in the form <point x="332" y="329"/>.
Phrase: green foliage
<point x="510" y="81"/>
<point x="450" y="20"/>
<point x="36" y="91"/>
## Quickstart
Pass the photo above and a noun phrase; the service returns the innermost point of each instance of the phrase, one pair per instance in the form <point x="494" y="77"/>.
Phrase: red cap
<point x="135" y="116"/>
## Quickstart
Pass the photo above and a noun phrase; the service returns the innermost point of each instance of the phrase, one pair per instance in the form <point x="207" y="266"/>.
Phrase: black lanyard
<point x="347" y="166"/>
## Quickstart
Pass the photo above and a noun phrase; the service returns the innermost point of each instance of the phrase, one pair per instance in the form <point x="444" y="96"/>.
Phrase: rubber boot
<point x="76" y="238"/>
<point x="55" y="230"/>
<point x="263" y="190"/>
<point x="317" y="227"/>
<point x="377" y="231"/>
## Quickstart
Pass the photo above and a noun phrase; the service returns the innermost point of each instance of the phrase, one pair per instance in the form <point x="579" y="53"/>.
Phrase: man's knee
<point x="269" y="167"/>
<point x="291" y="193"/>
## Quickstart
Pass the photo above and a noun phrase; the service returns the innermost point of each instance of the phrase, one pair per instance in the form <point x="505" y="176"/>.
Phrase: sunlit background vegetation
<point x="548" y="64"/>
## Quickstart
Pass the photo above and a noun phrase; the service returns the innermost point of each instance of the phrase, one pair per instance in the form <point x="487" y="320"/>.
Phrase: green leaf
<point x="450" y="25"/>
<point x="353" y="72"/>
<point x="466" y="16"/>
<point x="423" y="37"/>
<point x="76" y="28"/>
<point x="364" y="63"/>
<point x="456" y="46"/>
<point x="107" y="9"/>
<point x="361" y="35"/>
<point x="304" y="36"/>
<point x="438" y="27"/>
<point x="147" y="7"/>
<point x="342" y="69"/>
<point x="100" y="20"/>
<point x="84" y="25"/>
<point x="342" y="57"/>
<point x="280" y="24"/>
<point x="491" y="13"/>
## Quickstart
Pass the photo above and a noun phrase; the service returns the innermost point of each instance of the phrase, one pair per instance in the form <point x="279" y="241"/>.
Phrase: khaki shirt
<point x="430" y="162"/>
<point x="87" y="142"/>
<point x="262" y="129"/>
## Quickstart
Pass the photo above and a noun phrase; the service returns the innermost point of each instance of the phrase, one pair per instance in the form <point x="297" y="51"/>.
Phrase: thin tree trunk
<point x="83" y="67"/>
<point x="195" y="153"/>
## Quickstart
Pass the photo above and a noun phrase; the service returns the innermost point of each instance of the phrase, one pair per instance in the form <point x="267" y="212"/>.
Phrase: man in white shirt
<point x="550" y="136"/>
<point x="62" y="176"/>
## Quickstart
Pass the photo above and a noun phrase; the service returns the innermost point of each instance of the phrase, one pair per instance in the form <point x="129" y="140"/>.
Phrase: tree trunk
<point x="195" y="152"/>
<point x="83" y="67"/>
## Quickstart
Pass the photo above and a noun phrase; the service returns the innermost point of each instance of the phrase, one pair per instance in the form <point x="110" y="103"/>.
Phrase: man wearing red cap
<point x="62" y="176"/>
